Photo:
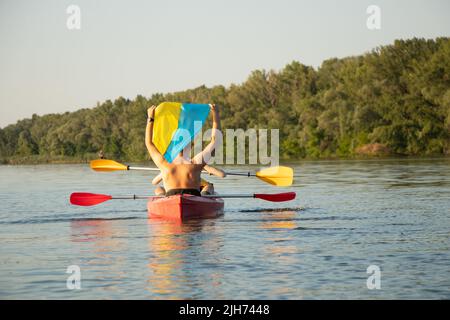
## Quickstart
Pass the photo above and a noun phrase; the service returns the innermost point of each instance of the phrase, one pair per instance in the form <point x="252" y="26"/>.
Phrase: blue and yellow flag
<point x="176" y="125"/>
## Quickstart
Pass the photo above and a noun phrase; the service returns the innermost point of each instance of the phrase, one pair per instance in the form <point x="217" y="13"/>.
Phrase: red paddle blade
<point x="278" y="197"/>
<point x="88" y="199"/>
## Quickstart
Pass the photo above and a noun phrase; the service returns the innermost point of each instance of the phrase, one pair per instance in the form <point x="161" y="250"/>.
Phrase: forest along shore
<point x="394" y="100"/>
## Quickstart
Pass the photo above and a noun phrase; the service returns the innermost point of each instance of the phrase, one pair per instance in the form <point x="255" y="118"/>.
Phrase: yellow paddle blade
<point x="107" y="165"/>
<point x="278" y="176"/>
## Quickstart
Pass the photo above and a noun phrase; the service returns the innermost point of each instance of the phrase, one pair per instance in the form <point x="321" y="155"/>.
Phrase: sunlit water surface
<point x="348" y="215"/>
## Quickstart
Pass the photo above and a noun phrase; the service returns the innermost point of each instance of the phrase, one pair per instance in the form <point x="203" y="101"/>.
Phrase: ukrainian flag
<point x="176" y="125"/>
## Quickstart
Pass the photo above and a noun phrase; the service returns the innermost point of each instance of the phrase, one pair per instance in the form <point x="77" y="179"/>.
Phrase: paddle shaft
<point x="142" y="168"/>
<point x="244" y="174"/>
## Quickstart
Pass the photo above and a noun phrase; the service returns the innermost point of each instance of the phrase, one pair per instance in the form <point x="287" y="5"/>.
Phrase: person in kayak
<point x="206" y="187"/>
<point x="182" y="177"/>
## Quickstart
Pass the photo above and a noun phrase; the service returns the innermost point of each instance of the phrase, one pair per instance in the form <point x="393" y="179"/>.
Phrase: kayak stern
<point x="183" y="207"/>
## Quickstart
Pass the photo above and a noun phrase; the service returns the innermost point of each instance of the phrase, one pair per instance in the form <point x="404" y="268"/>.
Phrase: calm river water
<point x="348" y="215"/>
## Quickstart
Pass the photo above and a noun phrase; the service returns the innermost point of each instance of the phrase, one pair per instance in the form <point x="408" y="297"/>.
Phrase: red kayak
<point x="181" y="207"/>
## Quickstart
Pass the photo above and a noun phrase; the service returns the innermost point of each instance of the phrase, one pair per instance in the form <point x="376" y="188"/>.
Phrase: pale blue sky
<point x="126" y="48"/>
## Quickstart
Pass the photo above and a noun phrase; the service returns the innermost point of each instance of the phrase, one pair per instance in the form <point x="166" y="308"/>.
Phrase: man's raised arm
<point x="156" y="156"/>
<point x="204" y="156"/>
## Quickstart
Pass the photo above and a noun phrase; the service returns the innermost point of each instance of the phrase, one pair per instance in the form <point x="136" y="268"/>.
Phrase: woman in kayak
<point x="183" y="176"/>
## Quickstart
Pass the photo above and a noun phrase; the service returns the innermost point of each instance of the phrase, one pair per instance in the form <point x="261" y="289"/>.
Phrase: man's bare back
<point x="182" y="176"/>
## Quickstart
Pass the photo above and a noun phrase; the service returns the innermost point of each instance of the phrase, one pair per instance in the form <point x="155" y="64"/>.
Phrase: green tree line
<point x="396" y="97"/>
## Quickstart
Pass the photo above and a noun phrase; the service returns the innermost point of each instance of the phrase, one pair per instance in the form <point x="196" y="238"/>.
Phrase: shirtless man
<point x="182" y="177"/>
<point x="206" y="187"/>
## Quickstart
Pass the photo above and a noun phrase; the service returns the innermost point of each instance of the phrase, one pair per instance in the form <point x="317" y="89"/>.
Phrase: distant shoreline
<point x="68" y="160"/>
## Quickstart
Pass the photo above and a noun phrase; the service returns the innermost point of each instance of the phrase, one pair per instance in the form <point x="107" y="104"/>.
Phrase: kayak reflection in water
<point x="182" y="176"/>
